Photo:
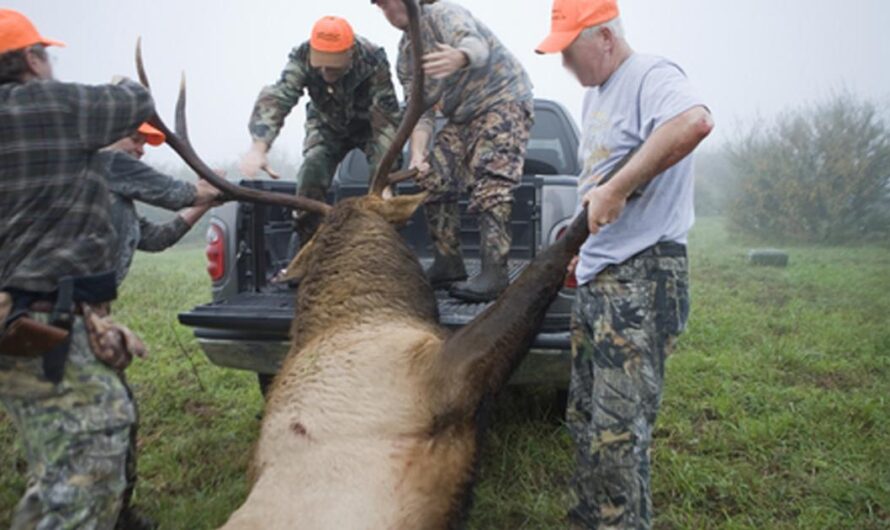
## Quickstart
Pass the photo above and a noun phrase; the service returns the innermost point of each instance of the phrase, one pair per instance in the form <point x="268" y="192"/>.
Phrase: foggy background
<point x="750" y="60"/>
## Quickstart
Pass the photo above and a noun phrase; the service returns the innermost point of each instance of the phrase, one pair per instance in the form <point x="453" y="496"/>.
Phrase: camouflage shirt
<point x="54" y="219"/>
<point x="360" y="105"/>
<point x="492" y="77"/>
<point x="129" y="180"/>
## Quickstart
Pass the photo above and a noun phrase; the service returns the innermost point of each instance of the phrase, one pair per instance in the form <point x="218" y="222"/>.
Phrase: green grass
<point x="775" y="412"/>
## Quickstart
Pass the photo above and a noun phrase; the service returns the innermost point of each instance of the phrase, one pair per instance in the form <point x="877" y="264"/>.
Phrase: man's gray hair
<point x="615" y="26"/>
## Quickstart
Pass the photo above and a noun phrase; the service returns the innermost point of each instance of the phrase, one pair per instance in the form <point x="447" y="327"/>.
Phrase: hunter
<point x="633" y="296"/>
<point x="486" y="98"/>
<point x="59" y="352"/>
<point x="352" y="105"/>
<point x="131" y="181"/>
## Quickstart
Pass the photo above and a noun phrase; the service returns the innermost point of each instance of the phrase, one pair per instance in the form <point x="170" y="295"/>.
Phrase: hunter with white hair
<point x="633" y="295"/>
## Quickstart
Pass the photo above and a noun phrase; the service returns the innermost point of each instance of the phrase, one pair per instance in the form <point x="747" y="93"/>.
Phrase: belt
<point x="665" y="249"/>
<point x="44" y="306"/>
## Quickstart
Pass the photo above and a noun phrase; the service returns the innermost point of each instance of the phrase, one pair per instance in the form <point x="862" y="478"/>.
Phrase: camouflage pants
<point x="624" y="326"/>
<point x="485" y="157"/>
<point x="76" y="436"/>
<point x="322" y="153"/>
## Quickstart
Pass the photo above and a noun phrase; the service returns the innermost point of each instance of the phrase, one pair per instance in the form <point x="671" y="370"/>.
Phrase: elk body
<point x="373" y="421"/>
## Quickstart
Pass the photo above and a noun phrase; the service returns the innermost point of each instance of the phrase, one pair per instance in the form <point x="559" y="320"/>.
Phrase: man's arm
<point x="137" y="181"/>
<point x="106" y="113"/>
<point x="461" y="46"/>
<point x="385" y="112"/>
<point x="276" y="101"/>
<point x="157" y="237"/>
<point x="420" y="137"/>
<point x="667" y="145"/>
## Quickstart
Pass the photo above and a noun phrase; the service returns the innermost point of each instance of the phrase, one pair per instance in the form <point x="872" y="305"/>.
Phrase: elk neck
<point x="360" y="271"/>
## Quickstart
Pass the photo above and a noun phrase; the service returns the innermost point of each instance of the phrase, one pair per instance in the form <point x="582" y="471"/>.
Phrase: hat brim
<point x="51" y="42"/>
<point x="558" y="41"/>
<point x="153" y="137"/>
<point x="320" y="59"/>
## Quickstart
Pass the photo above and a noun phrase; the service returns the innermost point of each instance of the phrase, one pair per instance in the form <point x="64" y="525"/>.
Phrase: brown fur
<point x="375" y="418"/>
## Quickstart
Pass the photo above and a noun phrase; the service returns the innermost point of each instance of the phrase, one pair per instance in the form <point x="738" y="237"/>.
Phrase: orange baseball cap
<point x="17" y="32"/>
<point x="152" y="136"/>
<point x="571" y="17"/>
<point x="331" y="43"/>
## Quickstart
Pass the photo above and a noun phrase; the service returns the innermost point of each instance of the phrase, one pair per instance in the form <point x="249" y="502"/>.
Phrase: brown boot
<point x="494" y="244"/>
<point x="443" y="223"/>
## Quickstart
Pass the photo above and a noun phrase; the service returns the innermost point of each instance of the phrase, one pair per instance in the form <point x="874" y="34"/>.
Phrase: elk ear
<point x="299" y="266"/>
<point x="398" y="210"/>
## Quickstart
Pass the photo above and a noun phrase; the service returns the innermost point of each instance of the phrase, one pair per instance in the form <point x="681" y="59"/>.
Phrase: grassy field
<point x="775" y="415"/>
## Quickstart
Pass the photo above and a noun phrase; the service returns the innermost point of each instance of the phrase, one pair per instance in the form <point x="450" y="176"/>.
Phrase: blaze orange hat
<point x="331" y="43"/>
<point x="571" y="17"/>
<point x="152" y="136"/>
<point x="17" y="32"/>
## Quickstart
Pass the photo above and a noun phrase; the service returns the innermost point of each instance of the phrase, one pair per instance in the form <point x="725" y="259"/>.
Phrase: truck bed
<point x="268" y="314"/>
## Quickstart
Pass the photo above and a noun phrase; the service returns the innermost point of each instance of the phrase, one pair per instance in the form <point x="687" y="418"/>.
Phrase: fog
<point x="750" y="60"/>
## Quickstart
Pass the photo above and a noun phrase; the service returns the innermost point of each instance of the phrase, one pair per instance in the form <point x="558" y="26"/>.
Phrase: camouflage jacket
<point x="492" y="77"/>
<point x="54" y="219"/>
<point x="130" y="180"/>
<point x="361" y="106"/>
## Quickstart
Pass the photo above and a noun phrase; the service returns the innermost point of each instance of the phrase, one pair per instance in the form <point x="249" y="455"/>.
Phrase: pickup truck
<point x="246" y="325"/>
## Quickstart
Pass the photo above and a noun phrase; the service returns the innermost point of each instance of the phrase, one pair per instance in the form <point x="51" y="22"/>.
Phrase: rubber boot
<point x="443" y="223"/>
<point x="494" y="245"/>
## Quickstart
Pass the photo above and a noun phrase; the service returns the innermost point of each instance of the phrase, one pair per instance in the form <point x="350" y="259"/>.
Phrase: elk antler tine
<point x="140" y="66"/>
<point x="181" y="125"/>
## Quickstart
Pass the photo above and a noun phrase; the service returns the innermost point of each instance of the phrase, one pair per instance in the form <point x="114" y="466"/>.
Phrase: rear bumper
<point x="548" y="361"/>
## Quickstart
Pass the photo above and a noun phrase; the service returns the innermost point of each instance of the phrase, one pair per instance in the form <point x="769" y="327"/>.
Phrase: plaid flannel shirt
<point x="54" y="204"/>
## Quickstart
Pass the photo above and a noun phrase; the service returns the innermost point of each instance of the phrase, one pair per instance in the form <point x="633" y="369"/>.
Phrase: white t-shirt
<point x="618" y="116"/>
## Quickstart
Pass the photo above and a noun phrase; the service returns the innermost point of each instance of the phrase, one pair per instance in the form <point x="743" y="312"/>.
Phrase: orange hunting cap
<point x="571" y="17"/>
<point x="17" y="32"/>
<point x="331" y="43"/>
<point x="152" y="136"/>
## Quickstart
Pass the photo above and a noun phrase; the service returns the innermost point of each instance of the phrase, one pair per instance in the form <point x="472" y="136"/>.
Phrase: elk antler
<point x="416" y="108"/>
<point x="179" y="142"/>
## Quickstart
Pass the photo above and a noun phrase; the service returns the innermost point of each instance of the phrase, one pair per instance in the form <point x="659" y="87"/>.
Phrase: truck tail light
<point x="571" y="281"/>
<point x="216" y="252"/>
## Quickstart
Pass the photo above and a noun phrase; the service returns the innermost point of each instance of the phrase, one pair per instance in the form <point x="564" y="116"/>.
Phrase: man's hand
<point x="5" y="308"/>
<point x="207" y="194"/>
<point x="573" y="265"/>
<point x="254" y="160"/>
<point x="440" y="64"/>
<point x="419" y="162"/>
<point x="603" y="207"/>
<point x="194" y="214"/>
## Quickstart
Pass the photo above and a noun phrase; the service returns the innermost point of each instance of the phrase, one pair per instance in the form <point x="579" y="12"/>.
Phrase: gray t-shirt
<point x="644" y="93"/>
